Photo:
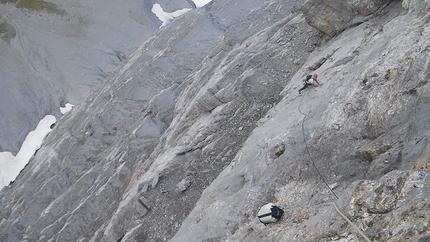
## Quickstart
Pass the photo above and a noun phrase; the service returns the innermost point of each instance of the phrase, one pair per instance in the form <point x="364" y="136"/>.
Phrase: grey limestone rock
<point x="202" y="125"/>
<point x="333" y="16"/>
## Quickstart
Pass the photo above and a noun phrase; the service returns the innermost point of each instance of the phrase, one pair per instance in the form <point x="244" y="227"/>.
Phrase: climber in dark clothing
<point x="311" y="80"/>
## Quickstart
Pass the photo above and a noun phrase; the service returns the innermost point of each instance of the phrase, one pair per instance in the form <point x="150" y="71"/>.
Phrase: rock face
<point x="54" y="53"/>
<point x="203" y="125"/>
<point x="333" y="16"/>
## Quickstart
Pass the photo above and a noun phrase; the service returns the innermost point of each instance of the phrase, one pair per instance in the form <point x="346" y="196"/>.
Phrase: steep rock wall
<point x="54" y="53"/>
<point x="203" y="125"/>
<point x="333" y="16"/>
<point x="103" y="147"/>
<point x="366" y="131"/>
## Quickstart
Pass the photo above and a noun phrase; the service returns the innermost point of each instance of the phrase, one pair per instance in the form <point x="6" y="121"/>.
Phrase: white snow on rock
<point x="201" y="3"/>
<point x="167" y="17"/>
<point x="11" y="165"/>
<point x="67" y="108"/>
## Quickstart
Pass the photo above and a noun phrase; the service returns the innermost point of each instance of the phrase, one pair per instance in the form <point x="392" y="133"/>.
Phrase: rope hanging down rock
<point x="307" y="149"/>
<point x="316" y="168"/>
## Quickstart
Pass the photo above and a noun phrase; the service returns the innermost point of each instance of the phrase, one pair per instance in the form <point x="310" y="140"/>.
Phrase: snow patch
<point x="166" y="17"/>
<point x="66" y="109"/>
<point x="201" y="3"/>
<point x="12" y="165"/>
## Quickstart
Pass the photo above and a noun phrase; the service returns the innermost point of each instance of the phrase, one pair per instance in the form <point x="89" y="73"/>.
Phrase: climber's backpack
<point x="269" y="213"/>
<point x="306" y="81"/>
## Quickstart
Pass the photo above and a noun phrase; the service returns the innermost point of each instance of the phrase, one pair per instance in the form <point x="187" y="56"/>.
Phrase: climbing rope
<point x="307" y="149"/>
<point x="316" y="168"/>
<point x="349" y="222"/>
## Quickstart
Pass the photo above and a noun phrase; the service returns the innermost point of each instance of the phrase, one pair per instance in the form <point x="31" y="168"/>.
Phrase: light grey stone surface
<point x="56" y="55"/>
<point x="203" y="125"/>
